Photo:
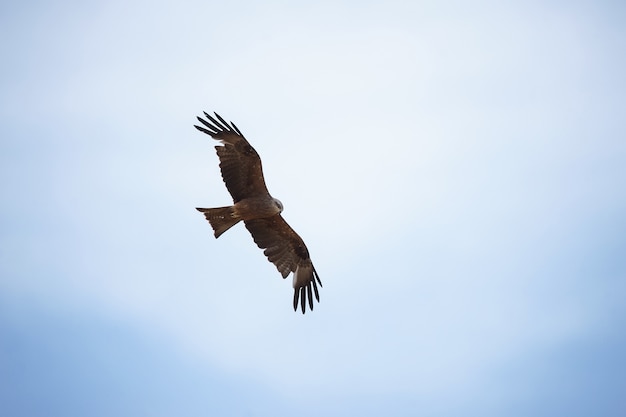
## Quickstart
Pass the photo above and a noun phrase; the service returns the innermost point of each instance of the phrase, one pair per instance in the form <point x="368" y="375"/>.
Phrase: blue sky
<point x="456" y="169"/>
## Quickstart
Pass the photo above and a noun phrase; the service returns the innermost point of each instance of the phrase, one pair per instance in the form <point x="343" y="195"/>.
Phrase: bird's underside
<point x="243" y="175"/>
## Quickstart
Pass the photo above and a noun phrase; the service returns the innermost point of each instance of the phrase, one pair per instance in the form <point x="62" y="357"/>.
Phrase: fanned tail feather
<point x="221" y="218"/>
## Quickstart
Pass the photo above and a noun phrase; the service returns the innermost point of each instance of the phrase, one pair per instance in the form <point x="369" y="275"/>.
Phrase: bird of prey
<point x="243" y="175"/>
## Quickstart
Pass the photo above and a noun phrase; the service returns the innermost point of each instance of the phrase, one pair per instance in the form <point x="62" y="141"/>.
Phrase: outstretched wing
<point x="285" y="249"/>
<point x="239" y="162"/>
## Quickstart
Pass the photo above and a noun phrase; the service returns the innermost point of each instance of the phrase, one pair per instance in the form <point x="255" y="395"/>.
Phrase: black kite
<point x="243" y="175"/>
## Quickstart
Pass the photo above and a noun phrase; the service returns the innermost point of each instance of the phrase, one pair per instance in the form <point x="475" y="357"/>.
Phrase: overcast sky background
<point x="456" y="169"/>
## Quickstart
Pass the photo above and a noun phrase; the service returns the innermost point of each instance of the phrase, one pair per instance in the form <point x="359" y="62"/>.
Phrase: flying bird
<point x="243" y="175"/>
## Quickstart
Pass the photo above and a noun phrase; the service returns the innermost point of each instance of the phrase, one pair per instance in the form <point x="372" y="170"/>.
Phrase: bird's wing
<point x="239" y="162"/>
<point x="285" y="249"/>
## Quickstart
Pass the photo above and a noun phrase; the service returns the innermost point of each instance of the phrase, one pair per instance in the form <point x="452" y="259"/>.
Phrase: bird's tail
<point x="221" y="218"/>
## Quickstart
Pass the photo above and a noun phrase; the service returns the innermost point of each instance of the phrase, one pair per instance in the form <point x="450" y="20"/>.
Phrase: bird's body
<point x="243" y="175"/>
<point x="223" y="218"/>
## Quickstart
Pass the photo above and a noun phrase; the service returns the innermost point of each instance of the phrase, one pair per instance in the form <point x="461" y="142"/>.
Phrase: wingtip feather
<point x="310" y="296"/>
<point x="222" y="120"/>
<point x="295" y="299"/>
<point x="236" y="129"/>
<point x="317" y="294"/>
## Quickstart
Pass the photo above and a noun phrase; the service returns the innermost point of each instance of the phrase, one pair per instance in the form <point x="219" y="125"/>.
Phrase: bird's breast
<point x="256" y="208"/>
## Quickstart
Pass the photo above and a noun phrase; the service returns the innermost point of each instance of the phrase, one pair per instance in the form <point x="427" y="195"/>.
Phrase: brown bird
<point x="243" y="175"/>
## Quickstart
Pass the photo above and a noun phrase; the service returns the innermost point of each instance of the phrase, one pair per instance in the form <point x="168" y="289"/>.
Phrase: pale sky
<point x="456" y="170"/>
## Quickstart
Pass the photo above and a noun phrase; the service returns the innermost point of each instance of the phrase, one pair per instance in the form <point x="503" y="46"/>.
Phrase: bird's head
<point x="278" y="204"/>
